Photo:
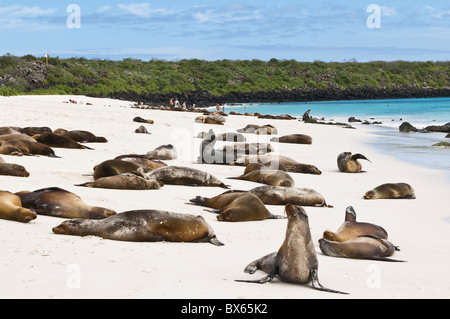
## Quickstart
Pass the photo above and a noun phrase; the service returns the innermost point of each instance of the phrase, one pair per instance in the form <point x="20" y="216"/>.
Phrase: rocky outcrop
<point x="406" y="127"/>
<point x="439" y="128"/>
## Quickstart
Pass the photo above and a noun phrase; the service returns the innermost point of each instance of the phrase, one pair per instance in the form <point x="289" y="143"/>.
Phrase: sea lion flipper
<point x="266" y="279"/>
<point x="359" y="156"/>
<point x="316" y="284"/>
<point x="271" y="216"/>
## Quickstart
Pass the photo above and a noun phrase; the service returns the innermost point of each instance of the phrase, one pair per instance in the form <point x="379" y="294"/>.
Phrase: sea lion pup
<point x="81" y="136"/>
<point x="163" y="152"/>
<point x="141" y="160"/>
<point x="296" y="260"/>
<point x="293" y="139"/>
<point x="178" y="175"/>
<point x="276" y="195"/>
<point x="24" y="147"/>
<point x="349" y="163"/>
<point x="57" y="202"/>
<point x="11" y="208"/>
<point x="391" y="191"/>
<point x="260" y="174"/>
<point x="141" y="130"/>
<point x="362" y="247"/>
<point x="59" y="141"/>
<point x="280" y="162"/>
<point x="141" y="120"/>
<point x="351" y="229"/>
<point x="236" y="207"/>
<point x="17" y="170"/>
<point x="114" y="167"/>
<point x="143" y="226"/>
<point x="124" y="181"/>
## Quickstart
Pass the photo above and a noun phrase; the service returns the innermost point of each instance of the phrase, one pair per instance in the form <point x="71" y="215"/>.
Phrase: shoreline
<point x="36" y="261"/>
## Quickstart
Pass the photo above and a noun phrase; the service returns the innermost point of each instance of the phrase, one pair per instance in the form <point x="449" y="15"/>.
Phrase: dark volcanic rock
<point x="406" y="128"/>
<point x="439" y="128"/>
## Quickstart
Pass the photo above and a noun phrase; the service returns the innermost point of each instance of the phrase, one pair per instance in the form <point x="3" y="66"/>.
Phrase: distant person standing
<point x="171" y="102"/>
<point x="184" y="105"/>
<point x="177" y="104"/>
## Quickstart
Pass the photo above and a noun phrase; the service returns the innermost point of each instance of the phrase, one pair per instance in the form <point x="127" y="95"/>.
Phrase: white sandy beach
<point x="36" y="263"/>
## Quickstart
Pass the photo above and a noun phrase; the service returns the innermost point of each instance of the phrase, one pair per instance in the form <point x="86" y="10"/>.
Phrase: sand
<point x="36" y="263"/>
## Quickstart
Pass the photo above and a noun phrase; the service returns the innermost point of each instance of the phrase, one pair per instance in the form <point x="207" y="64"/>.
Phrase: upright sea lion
<point x="178" y="175"/>
<point x="267" y="176"/>
<point x="59" y="141"/>
<point x="11" y="208"/>
<point x="141" y="160"/>
<point x="351" y="229"/>
<point x="163" y="152"/>
<point x="236" y="207"/>
<point x="275" y="195"/>
<point x="391" y="191"/>
<point x="124" y="181"/>
<point x="349" y="163"/>
<point x="59" y="202"/>
<point x="296" y="260"/>
<point x="293" y="139"/>
<point x="362" y="247"/>
<point x="13" y="170"/>
<point x="81" y="136"/>
<point x="143" y="226"/>
<point x="24" y="147"/>
<point x="114" y="167"/>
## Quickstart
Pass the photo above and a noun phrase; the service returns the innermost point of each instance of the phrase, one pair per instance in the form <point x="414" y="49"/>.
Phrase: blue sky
<point x="211" y="30"/>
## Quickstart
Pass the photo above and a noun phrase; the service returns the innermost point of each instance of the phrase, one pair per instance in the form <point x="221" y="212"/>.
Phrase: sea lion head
<point x="369" y="195"/>
<point x="350" y="214"/>
<point x="25" y="215"/>
<point x="296" y="212"/>
<point x="67" y="227"/>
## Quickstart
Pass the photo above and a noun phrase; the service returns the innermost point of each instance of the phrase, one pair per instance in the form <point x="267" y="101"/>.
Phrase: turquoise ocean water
<point x="411" y="147"/>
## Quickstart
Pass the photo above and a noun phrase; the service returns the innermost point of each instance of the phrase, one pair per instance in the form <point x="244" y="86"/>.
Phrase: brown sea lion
<point x="391" y="191"/>
<point x="351" y="229"/>
<point x="143" y="226"/>
<point x="259" y="130"/>
<point x="349" y="163"/>
<point x="11" y="208"/>
<point x="141" y="130"/>
<point x="236" y="207"/>
<point x="13" y="170"/>
<point x="296" y="260"/>
<point x="114" y="167"/>
<point x="124" y="181"/>
<point x="240" y="149"/>
<point x="266" y="176"/>
<point x="362" y="247"/>
<point x="16" y="136"/>
<point x="231" y="137"/>
<point x="57" y="202"/>
<point x="58" y="141"/>
<point x="163" y="152"/>
<point x="178" y="175"/>
<point x="11" y="130"/>
<point x="275" y="195"/>
<point x="33" y="130"/>
<point x="81" y="136"/>
<point x="141" y="160"/>
<point x="293" y="139"/>
<point x="141" y="120"/>
<point x="24" y="147"/>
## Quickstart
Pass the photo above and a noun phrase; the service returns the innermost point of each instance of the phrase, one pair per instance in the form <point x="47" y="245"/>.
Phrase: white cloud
<point x="24" y="11"/>
<point x="442" y="14"/>
<point x="231" y="13"/>
<point x="104" y="8"/>
<point x="388" y="11"/>
<point x="143" y="10"/>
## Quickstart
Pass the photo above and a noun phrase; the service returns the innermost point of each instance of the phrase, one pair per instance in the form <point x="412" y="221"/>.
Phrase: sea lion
<point x="81" y="136"/>
<point x="16" y="136"/>
<point x="124" y="181"/>
<point x="141" y="130"/>
<point x="240" y="149"/>
<point x="293" y="139"/>
<point x="296" y="260"/>
<point x="11" y="208"/>
<point x="351" y="229"/>
<point x="178" y="175"/>
<point x="236" y="207"/>
<point x="13" y="170"/>
<point x="33" y="130"/>
<point x="141" y="120"/>
<point x="11" y="130"/>
<point x="267" y="176"/>
<point x="362" y="247"/>
<point x="349" y="163"/>
<point x="280" y="162"/>
<point x="391" y="191"/>
<point x="231" y="137"/>
<point x="209" y="155"/>
<point x="259" y="130"/>
<point x="141" y="160"/>
<point x="143" y="226"/>
<point x="276" y="195"/>
<point x="57" y="202"/>
<point x="59" y="141"/>
<point x="163" y="152"/>
<point x="24" y="147"/>
<point x="114" y="167"/>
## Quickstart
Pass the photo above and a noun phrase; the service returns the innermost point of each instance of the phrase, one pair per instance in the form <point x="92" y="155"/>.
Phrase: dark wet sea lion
<point x="351" y="229"/>
<point x="11" y="208"/>
<point x="280" y="162"/>
<point x="293" y="139"/>
<point x="24" y="147"/>
<point x="391" y="191"/>
<point x="236" y="207"/>
<point x="114" y="167"/>
<point x="296" y="260"/>
<point x="59" y="141"/>
<point x="124" y="181"/>
<point x="178" y="175"/>
<point x="81" y="136"/>
<point x="349" y="163"/>
<point x="33" y="130"/>
<point x="143" y="226"/>
<point x="275" y="195"/>
<point x="58" y="202"/>
<point x="13" y="170"/>
<point x="141" y="120"/>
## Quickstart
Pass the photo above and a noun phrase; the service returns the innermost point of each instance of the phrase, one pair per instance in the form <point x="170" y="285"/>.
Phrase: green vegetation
<point x="144" y="79"/>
